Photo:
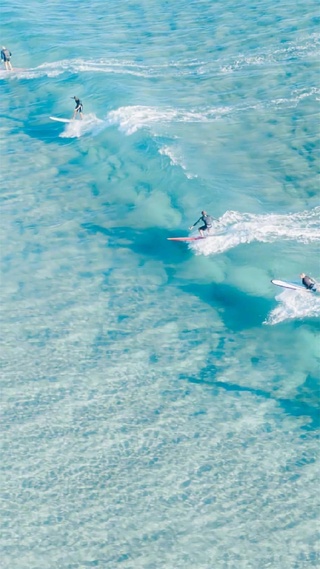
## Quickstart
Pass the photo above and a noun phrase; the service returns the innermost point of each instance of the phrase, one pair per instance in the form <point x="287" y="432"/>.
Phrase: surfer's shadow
<point x="295" y="407"/>
<point x="238" y="310"/>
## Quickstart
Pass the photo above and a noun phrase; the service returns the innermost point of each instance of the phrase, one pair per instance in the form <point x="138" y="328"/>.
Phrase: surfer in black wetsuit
<point x="5" y="57"/>
<point x="207" y="221"/>
<point x="308" y="282"/>
<point x="78" y="108"/>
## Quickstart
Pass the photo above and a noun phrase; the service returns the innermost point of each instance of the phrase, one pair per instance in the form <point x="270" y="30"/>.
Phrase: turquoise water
<point x="159" y="400"/>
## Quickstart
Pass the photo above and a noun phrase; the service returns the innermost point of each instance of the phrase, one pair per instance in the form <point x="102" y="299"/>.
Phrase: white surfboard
<point x="4" y="74"/>
<point x="291" y="285"/>
<point x="59" y="119"/>
<point x="185" y="239"/>
<point x="13" y="70"/>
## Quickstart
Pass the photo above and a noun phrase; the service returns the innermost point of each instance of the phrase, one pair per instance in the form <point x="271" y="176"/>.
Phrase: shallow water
<point x="159" y="400"/>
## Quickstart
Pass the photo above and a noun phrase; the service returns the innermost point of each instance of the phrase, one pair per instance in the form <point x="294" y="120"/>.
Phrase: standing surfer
<point x="78" y="108"/>
<point x="5" y="57"/>
<point x="207" y="223"/>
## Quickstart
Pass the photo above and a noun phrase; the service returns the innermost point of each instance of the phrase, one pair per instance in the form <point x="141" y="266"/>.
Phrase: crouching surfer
<point x="207" y="223"/>
<point x="307" y="281"/>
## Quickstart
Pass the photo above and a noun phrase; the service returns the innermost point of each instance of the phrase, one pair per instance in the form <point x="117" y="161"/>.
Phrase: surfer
<point x="5" y="57"/>
<point x="207" y="221"/>
<point x="78" y="108"/>
<point x="307" y="281"/>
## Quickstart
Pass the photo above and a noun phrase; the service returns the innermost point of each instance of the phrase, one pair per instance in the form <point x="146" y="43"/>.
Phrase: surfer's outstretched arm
<point x="196" y="223"/>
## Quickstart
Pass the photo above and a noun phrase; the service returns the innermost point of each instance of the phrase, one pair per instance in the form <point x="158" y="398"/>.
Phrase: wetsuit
<point x="5" y="55"/>
<point x="308" y="282"/>
<point x="79" y="106"/>
<point x="207" y="220"/>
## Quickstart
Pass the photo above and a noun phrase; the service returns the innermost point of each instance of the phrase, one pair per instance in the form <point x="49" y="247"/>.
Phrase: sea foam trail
<point x="235" y="228"/>
<point x="120" y="66"/>
<point x="305" y="48"/>
<point x="176" y="158"/>
<point x="106" y="66"/>
<point x="130" y="119"/>
<point x="294" y="304"/>
<point x="77" y="128"/>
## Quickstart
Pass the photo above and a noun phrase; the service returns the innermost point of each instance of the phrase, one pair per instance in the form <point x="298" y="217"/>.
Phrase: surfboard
<point x="13" y="70"/>
<point x="4" y="74"/>
<point x="185" y="238"/>
<point x="59" y="120"/>
<point x="291" y="285"/>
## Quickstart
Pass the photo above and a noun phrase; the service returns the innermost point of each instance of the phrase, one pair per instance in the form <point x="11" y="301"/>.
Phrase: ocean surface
<point x="159" y="401"/>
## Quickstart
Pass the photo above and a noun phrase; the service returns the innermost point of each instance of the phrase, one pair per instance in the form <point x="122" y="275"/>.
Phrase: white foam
<point x="296" y="96"/>
<point x="77" y="128"/>
<point x="176" y="159"/>
<point x="19" y="74"/>
<point x="235" y="228"/>
<point x="130" y="119"/>
<point x="103" y="65"/>
<point x="307" y="47"/>
<point x="294" y="304"/>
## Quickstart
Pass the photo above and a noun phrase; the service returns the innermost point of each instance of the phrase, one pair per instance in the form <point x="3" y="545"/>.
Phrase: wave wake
<point x="234" y="228"/>
<point x="77" y="128"/>
<point x="304" y="48"/>
<point x="294" y="304"/>
<point x="130" y="119"/>
<point x="102" y="65"/>
<point x="133" y="118"/>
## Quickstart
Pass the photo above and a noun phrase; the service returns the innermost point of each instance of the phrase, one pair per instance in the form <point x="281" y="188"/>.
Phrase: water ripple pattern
<point x="159" y="401"/>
